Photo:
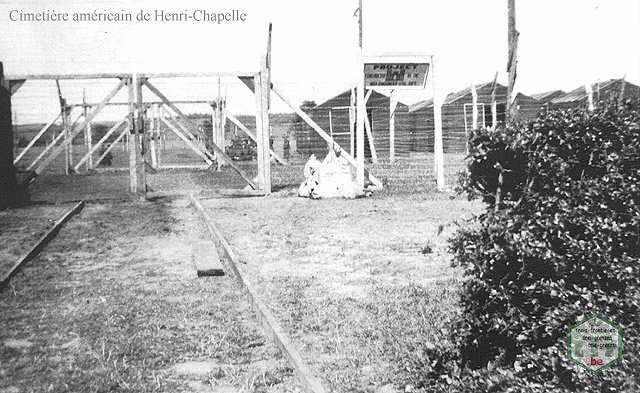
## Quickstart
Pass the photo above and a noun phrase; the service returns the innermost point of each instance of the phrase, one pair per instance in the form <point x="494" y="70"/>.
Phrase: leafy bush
<point x="564" y="242"/>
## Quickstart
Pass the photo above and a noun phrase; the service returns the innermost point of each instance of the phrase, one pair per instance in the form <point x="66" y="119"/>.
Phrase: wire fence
<point x="405" y="134"/>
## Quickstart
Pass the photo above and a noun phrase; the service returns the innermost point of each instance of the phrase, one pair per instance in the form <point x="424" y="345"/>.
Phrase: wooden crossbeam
<point x="65" y="76"/>
<point x="220" y="152"/>
<point x="35" y="139"/>
<point x="147" y="103"/>
<point x="199" y="74"/>
<point x="251" y="135"/>
<point x="323" y="133"/>
<point x="79" y="128"/>
<point x="100" y="142"/>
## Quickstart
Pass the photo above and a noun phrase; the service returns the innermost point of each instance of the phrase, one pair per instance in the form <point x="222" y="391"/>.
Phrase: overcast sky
<point x="563" y="44"/>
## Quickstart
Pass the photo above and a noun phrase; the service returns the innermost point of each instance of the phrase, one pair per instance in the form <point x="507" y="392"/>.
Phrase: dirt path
<point x="113" y="304"/>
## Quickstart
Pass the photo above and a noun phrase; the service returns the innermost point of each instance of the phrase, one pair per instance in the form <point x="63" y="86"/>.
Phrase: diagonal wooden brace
<point x="35" y="138"/>
<point x="323" y="134"/>
<point x="100" y="142"/>
<point x="251" y="135"/>
<point x="79" y="128"/>
<point x="190" y="122"/>
<point x="187" y="141"/>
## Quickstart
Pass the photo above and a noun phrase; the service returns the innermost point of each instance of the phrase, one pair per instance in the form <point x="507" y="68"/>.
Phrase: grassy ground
<point x="404" y="177"/>
<point x="21" y="228"/>
<point x="113" y="304"/>
<point x="363" y="286"/>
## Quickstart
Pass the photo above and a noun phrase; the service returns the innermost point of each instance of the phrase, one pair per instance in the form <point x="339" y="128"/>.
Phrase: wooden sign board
<point x="396" y="72"/>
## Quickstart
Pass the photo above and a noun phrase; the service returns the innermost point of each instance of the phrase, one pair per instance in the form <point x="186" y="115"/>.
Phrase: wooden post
<point x="141" y="142"/>
<point x="494" y="104"/>
<point x="87" y="132"/>
<point x="330" y="124"/>
<point x="8" y="182"/>
<point x="154" y="136"/>
<point x="438" y="147"/>
<point x="393" y="104"/>
<point x="136" y="162"/>
<point x="214" y="129"/>
<point x="512" y="63"/>
<point x="361" y="107"/>
<point x="352" y="120"/>
<point x="474" y="114"/>
<point x="131" y="142"/>
<point x="68" y="140"/>
<point x="589" y="90"/>
<point x="262" y="129"/>
<point x="65" y="126"/>
<point x="214" y="124"/>
<point x="223" y="124"/>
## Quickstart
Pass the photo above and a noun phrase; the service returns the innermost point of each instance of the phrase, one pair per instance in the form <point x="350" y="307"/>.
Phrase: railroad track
<point x="309" y="382"/>
<point x="40" y="244"/>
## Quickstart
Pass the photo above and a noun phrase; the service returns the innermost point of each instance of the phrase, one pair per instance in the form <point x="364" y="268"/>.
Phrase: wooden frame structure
<point x="142" y="142"/>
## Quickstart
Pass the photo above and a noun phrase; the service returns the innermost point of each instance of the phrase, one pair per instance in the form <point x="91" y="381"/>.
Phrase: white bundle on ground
<point x="330" y="179"/>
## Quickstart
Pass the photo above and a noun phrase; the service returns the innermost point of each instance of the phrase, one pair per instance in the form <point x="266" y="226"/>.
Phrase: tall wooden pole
<point x="141" y="143"/>
<point x="361" y="107"/>
<point x="589" y="90"/>
<point x="512" y="63"/>
<point x="136" y="160"/>
<point x="64" y="112"/>
<point x="474" y="110"/>
<point x="262" y="85"/>
<point x="87" y="131"/>
<point x="154" y="135"/>
<point x="8" y="182"/>
<point x="393" y="103"/>
<point x="494" y="103"/>
<point x="352" y="121"/>
<point x="438" y="146"/>
<point x="214" y="128"/>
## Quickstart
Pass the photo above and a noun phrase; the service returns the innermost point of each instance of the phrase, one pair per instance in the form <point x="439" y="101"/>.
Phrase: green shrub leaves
<point x="563" y="242"/>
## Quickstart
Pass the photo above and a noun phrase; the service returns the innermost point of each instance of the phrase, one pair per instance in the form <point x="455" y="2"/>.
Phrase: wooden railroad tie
<point x="206" y="259"/>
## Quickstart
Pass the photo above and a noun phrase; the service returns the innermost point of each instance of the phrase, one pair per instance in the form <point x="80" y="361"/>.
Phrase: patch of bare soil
<point x="114" y="304"/>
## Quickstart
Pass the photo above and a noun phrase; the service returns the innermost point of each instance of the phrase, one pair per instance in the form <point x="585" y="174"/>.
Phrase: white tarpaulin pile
<point x="331" y="178"/>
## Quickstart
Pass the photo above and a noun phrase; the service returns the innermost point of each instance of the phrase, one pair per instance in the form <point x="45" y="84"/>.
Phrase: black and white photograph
<point x="339" y="196"/>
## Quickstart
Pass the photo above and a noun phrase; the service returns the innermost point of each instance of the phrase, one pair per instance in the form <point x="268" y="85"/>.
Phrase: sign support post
<point x="438" y="149"/>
